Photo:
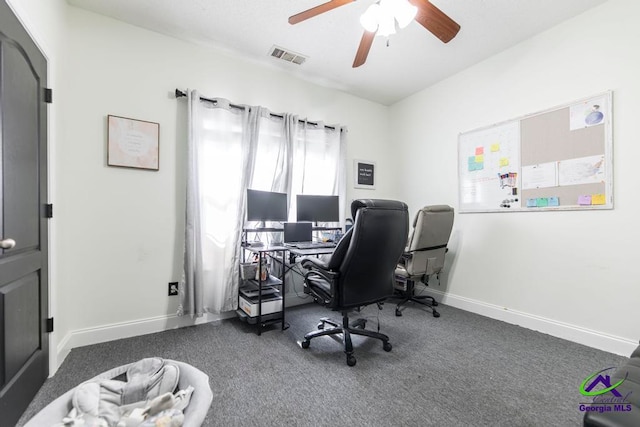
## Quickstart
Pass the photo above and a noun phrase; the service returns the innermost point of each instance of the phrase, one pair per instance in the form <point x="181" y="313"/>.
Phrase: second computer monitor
<point x="318" y="208"/>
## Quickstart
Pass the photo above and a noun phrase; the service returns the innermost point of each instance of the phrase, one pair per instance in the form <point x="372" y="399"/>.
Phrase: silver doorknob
<point x="7" y="243"/>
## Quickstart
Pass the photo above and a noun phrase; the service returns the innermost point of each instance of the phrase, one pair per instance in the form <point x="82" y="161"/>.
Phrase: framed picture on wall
<point x="364" y="173"/>
<point x="133" y="143"/>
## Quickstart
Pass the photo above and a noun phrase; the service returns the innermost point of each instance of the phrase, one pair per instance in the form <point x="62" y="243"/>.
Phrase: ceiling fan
<point x="426" y="14"/>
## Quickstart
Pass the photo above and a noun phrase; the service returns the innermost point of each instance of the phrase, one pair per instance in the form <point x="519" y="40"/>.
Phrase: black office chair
<point x="361" y="269"/>
<point x="424" y="254"/>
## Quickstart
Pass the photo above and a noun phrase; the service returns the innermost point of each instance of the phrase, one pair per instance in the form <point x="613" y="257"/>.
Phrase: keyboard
<point x="313" y="245"/>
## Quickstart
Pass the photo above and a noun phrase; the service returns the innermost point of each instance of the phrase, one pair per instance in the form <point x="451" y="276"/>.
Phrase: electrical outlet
<point x="173" y="288"/>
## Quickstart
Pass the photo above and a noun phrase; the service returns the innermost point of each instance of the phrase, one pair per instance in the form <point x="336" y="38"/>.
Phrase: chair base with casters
<point x="409" y="295"/>
<point x="346" y="329"/>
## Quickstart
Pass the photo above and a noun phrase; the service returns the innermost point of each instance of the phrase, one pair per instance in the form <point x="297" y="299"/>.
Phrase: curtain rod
<point x="180" y="94"/>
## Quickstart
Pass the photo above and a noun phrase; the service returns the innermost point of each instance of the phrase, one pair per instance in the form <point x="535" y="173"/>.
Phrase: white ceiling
<point x="414" y="59"/>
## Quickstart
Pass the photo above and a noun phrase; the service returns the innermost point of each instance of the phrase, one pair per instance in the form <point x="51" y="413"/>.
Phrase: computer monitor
<point x="318" y="208"/>
<point x="266" y="206"/>
<point x="298" y="232"/>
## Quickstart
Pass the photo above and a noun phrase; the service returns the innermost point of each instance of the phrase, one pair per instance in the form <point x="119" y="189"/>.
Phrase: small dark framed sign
<point x="364" y="174"/>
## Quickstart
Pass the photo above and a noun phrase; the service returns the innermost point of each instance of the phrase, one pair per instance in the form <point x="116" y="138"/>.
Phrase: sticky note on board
<point x="471" y="159"/>
<point x="597" y="199"/>
<point x="532" y="203"/>
<point x="554" y="201"/>
<point x="542" y="202"/>
<point x="584" y="200"/>
<point x="479" y="166"/>
<point x="504" y="161"/>
<point x="495" y="147"/>
<point x="479" y="150"/>
<point x="479" y="158"/>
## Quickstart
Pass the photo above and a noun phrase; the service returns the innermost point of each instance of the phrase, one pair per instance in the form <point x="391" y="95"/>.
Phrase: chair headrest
<point x="378" y="204"/>
<point x="433" y="208"/>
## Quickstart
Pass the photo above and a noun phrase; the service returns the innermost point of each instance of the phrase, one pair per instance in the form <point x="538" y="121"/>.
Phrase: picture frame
<point x="364" y="173"/>
<point x="133" y="143"/>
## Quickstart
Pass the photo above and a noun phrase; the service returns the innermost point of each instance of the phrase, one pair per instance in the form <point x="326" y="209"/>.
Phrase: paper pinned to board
<point x="543" y="175"/>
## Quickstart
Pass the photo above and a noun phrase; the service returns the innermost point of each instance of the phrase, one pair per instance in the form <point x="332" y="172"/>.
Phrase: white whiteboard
<point x="558" y="159"/>
<point x="488" y="160"/>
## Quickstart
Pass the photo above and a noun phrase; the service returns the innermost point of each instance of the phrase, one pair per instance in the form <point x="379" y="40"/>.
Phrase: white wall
<point x="121" y="230"/>
<point x="571" y="274"/>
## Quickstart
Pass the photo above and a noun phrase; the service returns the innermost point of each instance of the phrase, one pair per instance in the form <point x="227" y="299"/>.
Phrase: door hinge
<point x="48" y="210"/>
<point x="50" y="324"/>
<point x="48" y="95"/>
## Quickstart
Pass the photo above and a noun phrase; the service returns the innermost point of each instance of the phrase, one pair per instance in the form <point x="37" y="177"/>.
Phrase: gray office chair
<point x="360" y="271"/>
<point x="424" y="254"/>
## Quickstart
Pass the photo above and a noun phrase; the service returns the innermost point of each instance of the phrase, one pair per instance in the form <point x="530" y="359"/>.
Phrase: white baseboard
<point x="100" y="334"/>
<point x="62" y="351"/>
<point x="580" y="335"/>
<point x="595" y="339"/>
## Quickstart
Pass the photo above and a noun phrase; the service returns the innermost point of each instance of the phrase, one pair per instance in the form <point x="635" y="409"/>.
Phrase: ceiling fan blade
<point x="363" y="49"/>
<point x="314" y="11"/>
<point x="435" y="20"/>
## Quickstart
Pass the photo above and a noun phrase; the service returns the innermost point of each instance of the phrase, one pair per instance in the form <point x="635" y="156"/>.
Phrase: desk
<point x="310" y="252"/>
<point x="295" y="252"/>
<point x="277" y="253"/>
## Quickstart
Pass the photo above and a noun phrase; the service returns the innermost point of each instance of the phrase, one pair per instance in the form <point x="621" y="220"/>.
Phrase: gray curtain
<point x="232" y="148"/>
<point x="191" y="284"/>
<point x="213" y="230"/>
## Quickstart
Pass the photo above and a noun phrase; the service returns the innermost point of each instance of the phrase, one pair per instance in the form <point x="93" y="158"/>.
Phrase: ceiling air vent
<point x="287" y="55"/>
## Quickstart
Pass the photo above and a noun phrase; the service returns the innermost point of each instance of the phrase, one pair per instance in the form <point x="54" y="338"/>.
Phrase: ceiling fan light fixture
<point x="369" y="19"/>
<point x="386" y="26"/>
<point x="403" y="11"/>
<point x="382" y="16"/>
<point x="386" y="19"/>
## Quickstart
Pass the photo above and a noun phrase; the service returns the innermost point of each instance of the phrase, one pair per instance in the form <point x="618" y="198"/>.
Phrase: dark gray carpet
<point x="459" y="370"/>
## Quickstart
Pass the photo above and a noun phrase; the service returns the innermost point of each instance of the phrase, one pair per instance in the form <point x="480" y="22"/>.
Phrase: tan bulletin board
<point x="558" y="159"/>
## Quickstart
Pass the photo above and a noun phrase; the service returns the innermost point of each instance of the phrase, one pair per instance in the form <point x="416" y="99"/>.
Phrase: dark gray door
<point x="24" y="351"/>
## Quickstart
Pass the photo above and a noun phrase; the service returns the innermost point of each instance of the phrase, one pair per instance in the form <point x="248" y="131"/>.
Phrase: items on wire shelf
<point x="261" y="294"/>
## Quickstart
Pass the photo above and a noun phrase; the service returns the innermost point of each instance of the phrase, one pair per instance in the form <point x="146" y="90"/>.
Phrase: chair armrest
<point x="327" y="275"/>
<point x="431" y="248"/>
<point x="319" y="281"/>
<point x="318" y="267"/>
<point x="313" y="263"/>
<point x="404" y="258"/>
